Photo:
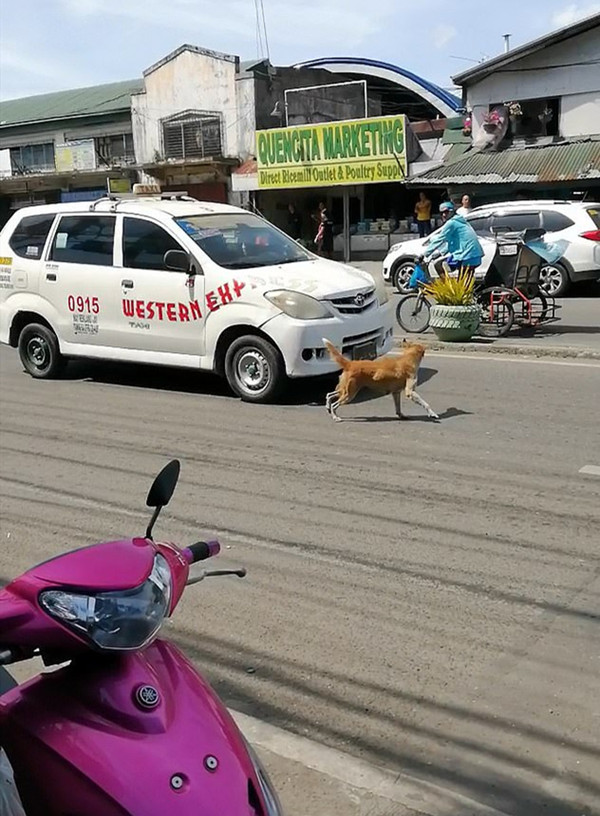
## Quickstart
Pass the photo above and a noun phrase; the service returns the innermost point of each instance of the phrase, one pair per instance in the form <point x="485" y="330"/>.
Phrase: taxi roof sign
<point x="146" y="189"/>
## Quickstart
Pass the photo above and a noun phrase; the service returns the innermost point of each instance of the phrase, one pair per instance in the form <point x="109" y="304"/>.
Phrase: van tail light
<point x="592" y="235"/>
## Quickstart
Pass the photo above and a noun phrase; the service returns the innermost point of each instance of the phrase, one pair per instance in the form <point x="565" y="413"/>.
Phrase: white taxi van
<point x="169" y="280"/>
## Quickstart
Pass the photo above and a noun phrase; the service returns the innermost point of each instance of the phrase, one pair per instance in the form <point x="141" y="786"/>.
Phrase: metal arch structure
<point x="446" y="103"/>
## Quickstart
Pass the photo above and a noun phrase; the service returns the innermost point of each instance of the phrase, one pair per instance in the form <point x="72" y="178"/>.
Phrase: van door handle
<point x="128" y="284"/>
<point x="51" y="276"/>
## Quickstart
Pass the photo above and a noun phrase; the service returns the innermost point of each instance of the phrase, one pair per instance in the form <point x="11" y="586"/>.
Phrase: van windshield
<point x="242" y="240"/>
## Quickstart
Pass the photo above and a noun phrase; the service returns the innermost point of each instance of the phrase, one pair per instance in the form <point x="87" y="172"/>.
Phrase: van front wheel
<point x="39" y="352"/>
<point x="254" y="368"/>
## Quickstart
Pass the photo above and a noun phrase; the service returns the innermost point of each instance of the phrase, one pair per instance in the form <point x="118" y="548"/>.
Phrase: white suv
<point x="576" y="223"/>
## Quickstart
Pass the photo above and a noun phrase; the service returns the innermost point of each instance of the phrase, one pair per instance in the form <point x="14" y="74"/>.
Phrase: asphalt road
<point x="424" y="596"/>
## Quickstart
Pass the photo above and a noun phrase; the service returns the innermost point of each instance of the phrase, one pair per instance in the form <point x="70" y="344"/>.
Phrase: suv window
<point x="553" y="221"/>
<point x="84" y="239"/>
<point x="481" y="224"/>
<point x="515" y="222"/>
<point x="595" y="216"/>
<point x="29" y="237"/>
<point x="145" y="244"/>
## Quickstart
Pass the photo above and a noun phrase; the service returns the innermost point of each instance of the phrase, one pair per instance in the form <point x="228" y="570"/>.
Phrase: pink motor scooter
<point x="128" y="727"/>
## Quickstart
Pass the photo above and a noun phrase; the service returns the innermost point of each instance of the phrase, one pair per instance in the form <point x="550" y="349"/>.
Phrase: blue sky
<point x="48" y="45"/>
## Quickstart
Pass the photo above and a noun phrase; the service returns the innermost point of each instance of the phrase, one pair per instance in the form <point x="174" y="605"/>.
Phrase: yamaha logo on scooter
<point x="147" y="697"/>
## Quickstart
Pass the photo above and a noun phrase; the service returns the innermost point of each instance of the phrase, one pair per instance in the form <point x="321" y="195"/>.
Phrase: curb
<point x="563" y="352"/>
<point x="419" y="796"/>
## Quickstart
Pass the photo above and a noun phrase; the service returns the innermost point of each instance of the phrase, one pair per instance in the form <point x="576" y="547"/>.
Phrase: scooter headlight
<point x="123" y="620"/>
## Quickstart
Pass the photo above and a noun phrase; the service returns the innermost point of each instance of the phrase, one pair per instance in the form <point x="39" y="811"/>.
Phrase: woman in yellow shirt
<point x="423" y="214"/>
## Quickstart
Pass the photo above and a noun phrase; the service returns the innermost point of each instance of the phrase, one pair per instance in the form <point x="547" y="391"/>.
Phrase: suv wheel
<point x="554" y="279"/>
<point x="39" y="352"/>
<point x="401" y="275"/>
<point x="255" y="369"/>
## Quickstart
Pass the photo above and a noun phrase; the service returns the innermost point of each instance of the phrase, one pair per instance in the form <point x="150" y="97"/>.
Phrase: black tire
<point x="401" y="272"/>
<point x="500" y="323"/>
<point x="554" y="279"/>
<point x="255" y="369"/>
<point x="40" y="353"/>
<point x="413" y="314"/>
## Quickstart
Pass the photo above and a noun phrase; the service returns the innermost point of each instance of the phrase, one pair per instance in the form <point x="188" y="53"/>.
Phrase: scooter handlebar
<point x="201" y="550"/>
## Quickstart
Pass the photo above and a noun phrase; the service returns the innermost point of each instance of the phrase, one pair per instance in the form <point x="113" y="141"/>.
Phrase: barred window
<point x="196" y="136"/>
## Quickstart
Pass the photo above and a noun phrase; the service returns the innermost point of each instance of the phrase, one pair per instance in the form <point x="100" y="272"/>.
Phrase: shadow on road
<point x="517" y="785"/>
<point x="449" y="413"/>
<point x="189" y="381"/>
<point x="560" y="328"/>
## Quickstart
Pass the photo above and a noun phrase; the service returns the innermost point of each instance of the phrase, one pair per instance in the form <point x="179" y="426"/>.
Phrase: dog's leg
<point x="333" y="410"/>
<point x="333" y="395"/>
<point x="412" y="395"/>
<point x="397" y="395"/>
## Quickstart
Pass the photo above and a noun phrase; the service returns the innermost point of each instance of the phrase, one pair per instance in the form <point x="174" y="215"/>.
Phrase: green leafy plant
<point x="450" y="291"/>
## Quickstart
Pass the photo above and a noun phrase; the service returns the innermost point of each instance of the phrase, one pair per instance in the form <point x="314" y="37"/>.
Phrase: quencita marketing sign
<point x="360" y="151"/>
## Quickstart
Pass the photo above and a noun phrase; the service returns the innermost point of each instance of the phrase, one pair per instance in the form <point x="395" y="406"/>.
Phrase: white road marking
<point x="590" y="470"/>
<point x="411" y="792"/>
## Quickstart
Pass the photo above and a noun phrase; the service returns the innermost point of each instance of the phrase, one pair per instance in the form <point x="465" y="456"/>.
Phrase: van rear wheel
<point x="254" y="369"/>
<point x="39" y="352"/>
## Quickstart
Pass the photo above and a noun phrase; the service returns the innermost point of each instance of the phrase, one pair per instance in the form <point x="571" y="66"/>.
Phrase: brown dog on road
<point x="386" y="375"/>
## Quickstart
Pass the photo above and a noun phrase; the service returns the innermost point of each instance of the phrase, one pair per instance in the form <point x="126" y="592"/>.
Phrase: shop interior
<point x="380" y="214"/>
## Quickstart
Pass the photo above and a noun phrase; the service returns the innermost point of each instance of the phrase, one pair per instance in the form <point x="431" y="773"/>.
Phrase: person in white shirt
<point x="466" y="207"/>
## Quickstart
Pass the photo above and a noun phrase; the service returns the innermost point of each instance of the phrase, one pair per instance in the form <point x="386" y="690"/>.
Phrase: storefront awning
<point x="574" y="160"/>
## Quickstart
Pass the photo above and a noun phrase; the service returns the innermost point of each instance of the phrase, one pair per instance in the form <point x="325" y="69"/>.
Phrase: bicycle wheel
<point x="497" y="316"/>
<point x="412" y="313"/>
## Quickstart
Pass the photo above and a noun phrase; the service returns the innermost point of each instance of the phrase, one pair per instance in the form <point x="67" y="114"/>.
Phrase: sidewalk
<point x="575" y="334"/>
<point x="313" y="779"/>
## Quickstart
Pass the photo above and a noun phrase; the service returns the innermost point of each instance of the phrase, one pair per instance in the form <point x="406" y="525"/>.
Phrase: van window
<point x="29" y="237"/>
<point x="242" y="240"/>
<point x="145" y="244"/>
<point x="84" y="239"/>
<point x="515" y="222"/>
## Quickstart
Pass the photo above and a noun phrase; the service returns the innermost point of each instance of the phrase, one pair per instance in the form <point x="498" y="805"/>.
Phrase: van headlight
<point x="298" y="305"/>
<point x="122" y="620"/>
<point x="380" y="288"/>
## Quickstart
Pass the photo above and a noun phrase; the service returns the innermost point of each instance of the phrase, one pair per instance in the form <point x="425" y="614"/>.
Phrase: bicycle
<point x="513" y="280"/>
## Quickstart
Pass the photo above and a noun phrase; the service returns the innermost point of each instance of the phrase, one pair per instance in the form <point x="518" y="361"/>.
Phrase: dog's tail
<point x="336" y="355"/>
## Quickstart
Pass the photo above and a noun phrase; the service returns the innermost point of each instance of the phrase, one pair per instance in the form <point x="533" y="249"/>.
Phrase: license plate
<point x="508" y="249"/>
<point x="365" y="351"/>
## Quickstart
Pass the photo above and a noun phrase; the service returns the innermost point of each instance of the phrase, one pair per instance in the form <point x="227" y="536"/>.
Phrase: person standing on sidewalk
<point x="423" y="215"/>
<point x="466" y="206"/>
<point x="294" y="222"/>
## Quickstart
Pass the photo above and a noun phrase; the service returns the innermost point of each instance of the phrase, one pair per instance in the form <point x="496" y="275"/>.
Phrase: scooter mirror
<point x="164" y="485"/>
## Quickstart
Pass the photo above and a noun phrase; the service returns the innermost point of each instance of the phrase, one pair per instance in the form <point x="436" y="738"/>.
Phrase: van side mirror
<point x="177" y="260"/>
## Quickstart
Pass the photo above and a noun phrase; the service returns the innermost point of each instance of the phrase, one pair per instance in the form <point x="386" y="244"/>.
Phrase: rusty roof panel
<point x="567" y="161"/>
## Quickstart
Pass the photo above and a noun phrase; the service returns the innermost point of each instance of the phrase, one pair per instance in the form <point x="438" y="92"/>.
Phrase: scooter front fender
<point x="139" y="734"/>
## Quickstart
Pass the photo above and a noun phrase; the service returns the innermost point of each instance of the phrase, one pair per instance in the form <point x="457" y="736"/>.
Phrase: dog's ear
<point x="404" y="341"/>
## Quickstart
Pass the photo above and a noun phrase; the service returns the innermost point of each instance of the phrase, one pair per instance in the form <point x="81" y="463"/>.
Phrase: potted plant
<point x="492" y="121"/>
<point x="515" y="112"/>
<point x="455" y="315"/>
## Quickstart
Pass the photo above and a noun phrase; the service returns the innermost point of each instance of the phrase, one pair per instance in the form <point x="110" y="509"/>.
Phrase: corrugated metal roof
<point x="99" y="99"/>
<point x="566" y="161"/>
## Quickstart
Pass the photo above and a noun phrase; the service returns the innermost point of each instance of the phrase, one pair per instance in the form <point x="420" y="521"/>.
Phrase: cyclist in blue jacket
<point x="459" y="240"/>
